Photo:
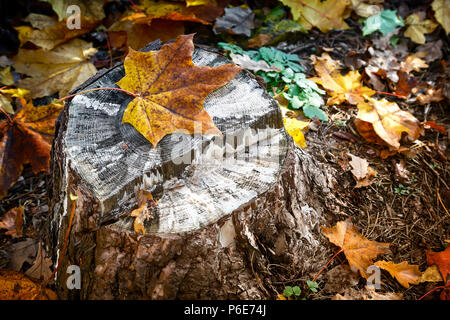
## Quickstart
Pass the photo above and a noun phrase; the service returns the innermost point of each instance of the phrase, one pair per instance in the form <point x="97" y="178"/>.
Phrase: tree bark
<point x="234" y="214"/>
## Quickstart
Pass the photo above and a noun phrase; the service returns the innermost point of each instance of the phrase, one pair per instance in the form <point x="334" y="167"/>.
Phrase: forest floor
<point x="407" y="204"/>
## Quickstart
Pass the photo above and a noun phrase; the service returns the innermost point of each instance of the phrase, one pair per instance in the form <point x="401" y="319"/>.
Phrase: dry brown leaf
<point x="359" y="251"/>
<point x="170" y="90"/>
<point x="433" y="50"/>
<point x="413" y="63"/>
<point x="40" y="270"/>
<point x="13" y="222"/>
<point x="6" y="77"/>
<point x="430" y="96"/>
<point x="143" y="212"/>
<point x="404" y="273"/>
<point x="387" y="121"/>
<point x="417" y="28"/>
<point x="139" y="35"/>
<point x="401" y="171"/>
<point x="364" y="8"/>
<point x="59" y="70"/>
<point x="359" y="166"/>
<point x="16" y="286"/>
<point x="21" y="252"/>
<point x="339" y="278"/>
<point x="367" y="293"/>
<point x="51" y="36"/>
<point x="326" y="15"/>
<point x="89" y="8"/>
<point x="175" y="11"/>
<point x="442" y="13"/>
<point x="26" y="140"/>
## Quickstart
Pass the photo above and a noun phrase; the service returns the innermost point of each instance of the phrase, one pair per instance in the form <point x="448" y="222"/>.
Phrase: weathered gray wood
<point x="219" y="224"/>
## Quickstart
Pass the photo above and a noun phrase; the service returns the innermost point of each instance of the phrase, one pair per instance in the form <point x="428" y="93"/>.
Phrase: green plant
<point x="312" y="285"/>
<point x="402" y="190"/>
<point x="289" y="81"/>
<point x="293" y="292"/>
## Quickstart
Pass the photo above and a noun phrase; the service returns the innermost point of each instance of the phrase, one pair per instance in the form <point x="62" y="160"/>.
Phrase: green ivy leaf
<point x="385" y="21"/>
<point x="288" y="291"/>
<point x="313" y="111"/>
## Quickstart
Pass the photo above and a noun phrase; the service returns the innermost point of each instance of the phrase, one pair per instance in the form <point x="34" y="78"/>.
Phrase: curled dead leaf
<point x="387" y="121"/>
<point x="405" y="273"/>
<point x="359" y="251"/>
<point x="13" y="222"/>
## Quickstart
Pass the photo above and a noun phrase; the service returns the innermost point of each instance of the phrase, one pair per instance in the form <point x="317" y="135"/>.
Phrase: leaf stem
<point x="432" y="290"/>
<point x="391" y="94"/>
<point x="327" y="264"/>
<point x="96" y="89"/>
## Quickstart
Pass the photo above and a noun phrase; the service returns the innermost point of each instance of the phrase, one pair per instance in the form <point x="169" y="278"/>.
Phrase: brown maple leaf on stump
<point x="170" y="90"/>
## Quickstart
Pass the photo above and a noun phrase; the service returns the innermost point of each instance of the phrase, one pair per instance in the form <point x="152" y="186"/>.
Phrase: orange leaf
<point x="13" y="222"/>
<point x="359" y="251"/>
<point x="16" y="286"/>
<point x="442" y="260"/>
<point x="171" y="90"/>
<point x="26" y="140"/>
<point x="403" y="272"/>
<point x="142" y="213"/>
<point x="388" y="120"/>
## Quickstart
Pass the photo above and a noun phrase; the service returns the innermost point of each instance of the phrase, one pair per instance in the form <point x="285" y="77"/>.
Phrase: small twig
<point x="327" y="264"/>
<point x="440" y="200"/>
<point x="136" y="7"/>
<point x="96" y="89"/>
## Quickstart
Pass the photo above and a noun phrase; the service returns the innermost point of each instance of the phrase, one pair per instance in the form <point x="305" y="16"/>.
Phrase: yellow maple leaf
<point x="294" y="127"/>
<point x="442" y="13"/>
<point x="326" y="15"/>
<point x="359" y="251"/>
<point x="404" y="273"/>
<point x="340" y="88"/>
<point x="417" y="28"/>
<point x="60" y="70"/>
<point x="170" y="90"/>
<point x="387" y="121"/>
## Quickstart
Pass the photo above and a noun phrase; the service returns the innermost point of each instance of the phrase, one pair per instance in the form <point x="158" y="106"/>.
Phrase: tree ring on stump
<point x="195" y="179"/>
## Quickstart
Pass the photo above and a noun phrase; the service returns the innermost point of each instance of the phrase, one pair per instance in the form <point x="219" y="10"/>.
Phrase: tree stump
<point x="230" y="210"/>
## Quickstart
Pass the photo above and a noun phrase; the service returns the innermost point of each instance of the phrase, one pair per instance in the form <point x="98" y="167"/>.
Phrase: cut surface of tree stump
<point x="227" y="208"/>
